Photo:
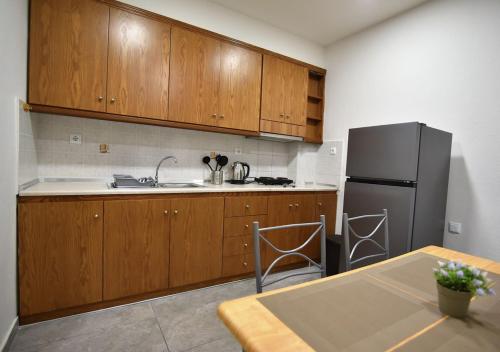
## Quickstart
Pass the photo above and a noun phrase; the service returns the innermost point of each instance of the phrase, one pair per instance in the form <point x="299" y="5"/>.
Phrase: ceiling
<point x="321" y="21"/>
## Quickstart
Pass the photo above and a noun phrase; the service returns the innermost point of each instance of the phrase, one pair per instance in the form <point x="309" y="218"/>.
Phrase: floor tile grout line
<point x="159" y="326"/>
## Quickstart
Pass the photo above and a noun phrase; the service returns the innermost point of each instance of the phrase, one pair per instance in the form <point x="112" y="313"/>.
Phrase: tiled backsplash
<point x="45" y="151"/>
<point x="136" y="149"/>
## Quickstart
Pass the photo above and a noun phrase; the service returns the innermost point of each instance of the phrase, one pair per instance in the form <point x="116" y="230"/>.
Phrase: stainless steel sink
<point x="179" y="185"/>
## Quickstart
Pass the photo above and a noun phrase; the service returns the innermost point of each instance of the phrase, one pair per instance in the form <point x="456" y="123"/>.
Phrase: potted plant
<point x="457" y="284"/>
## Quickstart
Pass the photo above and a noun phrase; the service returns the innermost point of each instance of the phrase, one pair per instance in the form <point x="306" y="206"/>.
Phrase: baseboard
<point x="5" y="344"/>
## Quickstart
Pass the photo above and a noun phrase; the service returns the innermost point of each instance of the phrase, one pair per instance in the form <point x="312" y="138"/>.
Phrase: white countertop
<point x="76" y="188"/>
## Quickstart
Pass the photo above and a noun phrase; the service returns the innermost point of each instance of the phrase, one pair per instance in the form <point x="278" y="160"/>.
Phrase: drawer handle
<point x="96" y="216"/>
<point x="246" y="226"/>
<point x="112" y="100"/>
<point x="297" y="204"/>
<point x="247" y="206"/>
<point x="165" y="212"/>
<point x="100" y="98"/>
<point x="245" y="245"/>
<point x="245" y="264"/>
<point x="176" y="212"/>
<point x="290" y="205"/>
<point x="320" y="204"/>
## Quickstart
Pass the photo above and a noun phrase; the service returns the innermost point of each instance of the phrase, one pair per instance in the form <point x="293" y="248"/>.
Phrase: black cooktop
<point x="273" y="181"/>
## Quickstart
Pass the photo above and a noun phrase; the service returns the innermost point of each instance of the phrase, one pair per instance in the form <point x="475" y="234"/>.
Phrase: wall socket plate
<point x="333" y="150"/>
<point x="454" y="227"/>
<point x="75" y="139"/>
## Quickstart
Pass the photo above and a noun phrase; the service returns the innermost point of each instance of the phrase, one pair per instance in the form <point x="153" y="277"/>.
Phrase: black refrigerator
<point x="403" y="168"/>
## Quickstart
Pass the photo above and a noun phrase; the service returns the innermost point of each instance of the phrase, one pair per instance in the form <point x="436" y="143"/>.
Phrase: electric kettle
<point x="241" y="171"/>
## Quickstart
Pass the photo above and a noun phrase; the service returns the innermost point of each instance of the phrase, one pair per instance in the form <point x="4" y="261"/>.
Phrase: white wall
<point x="438" y="64"/>
<point x="13" y="41"/>
<point x="214" y="17"/>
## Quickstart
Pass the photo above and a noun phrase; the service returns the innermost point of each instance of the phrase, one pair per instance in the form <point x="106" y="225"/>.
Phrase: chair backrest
<point x="347" y="228"/>
<point x="260" y="278"/>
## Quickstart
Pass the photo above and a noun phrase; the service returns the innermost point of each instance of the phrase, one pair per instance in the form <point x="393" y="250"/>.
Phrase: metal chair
<point x="347" y="228"/>
<point x="257" y="237"/>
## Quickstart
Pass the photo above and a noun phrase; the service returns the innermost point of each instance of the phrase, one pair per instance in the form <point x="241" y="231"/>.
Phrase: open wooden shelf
<point x="315" y="107"/>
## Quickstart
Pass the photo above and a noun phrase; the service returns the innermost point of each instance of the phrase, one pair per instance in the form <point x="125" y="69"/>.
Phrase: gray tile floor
<point x="183" y="322"/>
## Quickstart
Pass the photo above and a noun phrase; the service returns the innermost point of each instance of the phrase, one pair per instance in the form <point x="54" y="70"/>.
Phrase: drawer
<point x="238" y="264"/>
<point x="244" y="206"/>
<point x="242" y="225"/>
<point x="238" y="245"/>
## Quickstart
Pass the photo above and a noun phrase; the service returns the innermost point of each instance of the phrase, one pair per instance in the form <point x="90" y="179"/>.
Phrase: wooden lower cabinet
<point x="60" y="255"/>
<point x="136" y="247"/>
<point x="196" y="240"/>
<point x="82" y="254"/>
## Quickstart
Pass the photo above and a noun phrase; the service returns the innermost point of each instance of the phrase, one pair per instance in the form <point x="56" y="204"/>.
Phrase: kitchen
<point x="164" y="134"/>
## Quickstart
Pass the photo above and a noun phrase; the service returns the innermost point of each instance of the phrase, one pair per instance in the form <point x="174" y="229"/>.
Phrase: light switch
<point x="454" y="227"/>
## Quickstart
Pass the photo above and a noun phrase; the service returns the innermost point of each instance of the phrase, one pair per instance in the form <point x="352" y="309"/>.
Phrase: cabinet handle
<point x="113" y="100"/>
<point x="297" y="204"/>
<point x="214" y="116"/>
<point x="247" y="206"/>
<point x="165" y="212"/>
<point x="282" y="115"/>
<point x="246" y="226"/>
<point x="221" y="116"/>
<point x="320" y="204"/>
<point x="290" y="205"/>
<point x="100" y="98"/>
<point x="245" y="245"/>
<point x="96" y="216"/>
<point x="245" y="264"/>
<point x="176" y="212"/>
<point x="287" y="116"/>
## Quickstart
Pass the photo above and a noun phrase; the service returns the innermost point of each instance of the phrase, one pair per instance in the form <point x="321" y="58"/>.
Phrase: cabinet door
<point x="138" y="65"/>
<point x="60" y="255"/>
<point x="281" y="212"/>
<point x="274" y="88"/>
<point x="296" y="97"/>
<point x="326" y="204"/>
<point x="194" y="78"/>
<point x="136" y="247"/>
<point x="68" y="54"/>
<point x="239" y="91"/>
<point x="196" y="245"/>
<point x="306" y="212"/>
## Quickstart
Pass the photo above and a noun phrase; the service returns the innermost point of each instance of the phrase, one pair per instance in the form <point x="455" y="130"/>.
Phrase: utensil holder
<point x="217" y="177"/>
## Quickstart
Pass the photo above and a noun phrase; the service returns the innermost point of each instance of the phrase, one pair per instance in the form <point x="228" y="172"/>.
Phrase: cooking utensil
<point x="223" y="160"/>
<point x="206" y="160"/>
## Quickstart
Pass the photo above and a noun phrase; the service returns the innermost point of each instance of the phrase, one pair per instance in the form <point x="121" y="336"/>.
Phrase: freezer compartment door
<point x="368" y="198"/>
<point x="388" y="152"/>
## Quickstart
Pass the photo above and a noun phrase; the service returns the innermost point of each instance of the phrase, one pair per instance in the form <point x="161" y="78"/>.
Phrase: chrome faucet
<point x="158" y="167"/>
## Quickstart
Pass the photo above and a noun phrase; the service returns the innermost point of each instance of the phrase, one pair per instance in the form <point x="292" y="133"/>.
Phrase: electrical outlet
<point x="454" y="227"/>
<point x="237" y="151"/>
<point x="75" y="139"/>
<point x="333" y="150"/>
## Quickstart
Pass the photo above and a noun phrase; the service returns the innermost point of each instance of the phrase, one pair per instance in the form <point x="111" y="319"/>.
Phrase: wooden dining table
<point x="387" y="306"/>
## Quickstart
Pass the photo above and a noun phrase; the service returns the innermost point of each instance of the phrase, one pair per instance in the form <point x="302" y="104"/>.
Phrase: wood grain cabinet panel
<point x="60" y="255"/>
<point x="245" y="206"/>
<point x="273" y="89"/>
<point x="68" y="54"/>
<point x="326" y="204"/>
<point x="242" y="225"/>
<point x="196" y="240"/>
<point x="284" y="91"/>
<point x="194" y="78"/>
<point x="138" y="65"/>
<point x="239" y="90"/>
<point x="136" y="247"/>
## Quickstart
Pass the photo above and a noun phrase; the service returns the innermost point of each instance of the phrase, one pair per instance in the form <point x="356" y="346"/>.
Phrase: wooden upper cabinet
<point x="239" y="91"/>
<point x="136" y="247"/>
<point x="138" y="65"/>
<point x="60" y="255"/>
<point x="297" y="94"/>
<point x="196" y="240"/>
<point x="68" y="54"/>
<point x="194" y="77"/>
<point x="273" y="89"/>
<point x="284" y="91"/>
